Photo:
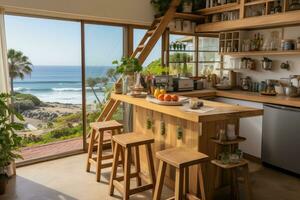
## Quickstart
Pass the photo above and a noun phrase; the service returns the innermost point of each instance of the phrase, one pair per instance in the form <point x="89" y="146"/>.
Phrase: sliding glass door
<point x="103" y="45"/>
<point x="45" y="67"/>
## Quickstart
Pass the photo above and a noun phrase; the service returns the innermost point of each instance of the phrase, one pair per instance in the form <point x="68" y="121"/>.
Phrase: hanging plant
<point x="149" y="123"/>
<point x="162" y="128"/>
<point x="179" y="132"/>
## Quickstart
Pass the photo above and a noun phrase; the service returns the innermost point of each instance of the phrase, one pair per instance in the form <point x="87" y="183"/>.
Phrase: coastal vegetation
<point x="19" y="65"/>
<point x="63" y="126"/>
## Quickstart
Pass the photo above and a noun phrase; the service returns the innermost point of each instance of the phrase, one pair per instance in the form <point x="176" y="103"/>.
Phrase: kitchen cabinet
<point x="250" y="128"/>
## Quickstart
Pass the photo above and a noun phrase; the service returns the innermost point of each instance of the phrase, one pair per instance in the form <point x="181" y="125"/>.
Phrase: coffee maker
<point x="164" y="81"/>
<point x="271" y="86"/>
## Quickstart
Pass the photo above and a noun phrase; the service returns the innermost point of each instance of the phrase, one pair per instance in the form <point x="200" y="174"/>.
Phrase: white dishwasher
<point x="250" y="128"/>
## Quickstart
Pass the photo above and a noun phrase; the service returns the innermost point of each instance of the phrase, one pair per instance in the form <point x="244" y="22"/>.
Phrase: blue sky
<point x="57" y="42"/>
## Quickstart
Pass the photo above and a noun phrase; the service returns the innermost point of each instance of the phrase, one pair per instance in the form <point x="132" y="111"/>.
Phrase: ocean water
<point x="61" y="84"/>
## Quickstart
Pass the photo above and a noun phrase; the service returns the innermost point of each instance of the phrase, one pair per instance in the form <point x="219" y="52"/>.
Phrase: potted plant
<point x="9" y="140"/>
<point x="128" y="67"/>
<point x="187" y="6"/>
<point x="160" y="6"/>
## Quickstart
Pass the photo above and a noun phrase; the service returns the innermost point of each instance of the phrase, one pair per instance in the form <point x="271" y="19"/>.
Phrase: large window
<point x="47" y="93"/>
<point x="182" y="56"/>
<point x="103" y="45"/>
<point x="155" y="55"/>
<point x="209" y="59"/>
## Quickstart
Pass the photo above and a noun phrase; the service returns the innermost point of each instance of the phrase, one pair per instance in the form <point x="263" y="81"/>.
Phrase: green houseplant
<point x="128" y="67"/>
<point x="9" y="140"/>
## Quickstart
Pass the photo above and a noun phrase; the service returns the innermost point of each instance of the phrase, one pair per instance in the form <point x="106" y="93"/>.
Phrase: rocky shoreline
<point x="48" y="112"/>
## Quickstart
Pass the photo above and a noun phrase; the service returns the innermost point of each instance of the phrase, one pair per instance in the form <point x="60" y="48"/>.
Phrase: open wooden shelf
<point x="189" y="16"/>
<point x="218" y="163"/>
<point x="262" y="53"/>
<point x="228" y="142"/>
<point x="218" y="9"/>
<point x="265" y="21"/>
<point x="184" y="33"/>
<point x="251" y="3"/>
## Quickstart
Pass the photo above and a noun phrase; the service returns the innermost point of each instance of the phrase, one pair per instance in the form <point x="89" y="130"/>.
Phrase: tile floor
<point x="66" y="179"/>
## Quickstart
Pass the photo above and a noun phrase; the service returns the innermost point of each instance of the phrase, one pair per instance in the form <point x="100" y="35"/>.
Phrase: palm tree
<point x="92" y="82"/>
<point x="19" y="65"/>
<point x="112" y="74"/>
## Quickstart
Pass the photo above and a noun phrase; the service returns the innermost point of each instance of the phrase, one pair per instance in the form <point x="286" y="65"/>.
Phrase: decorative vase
<point x="128" y="82"/>
<point x="11" y="169"/>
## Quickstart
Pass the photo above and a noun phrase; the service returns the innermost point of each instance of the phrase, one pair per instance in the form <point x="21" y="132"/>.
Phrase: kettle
<point x="266" y="64"/>
<point x="291" y="91"/>
<point x="285" y="65"/>
<point x="245" y="83"/>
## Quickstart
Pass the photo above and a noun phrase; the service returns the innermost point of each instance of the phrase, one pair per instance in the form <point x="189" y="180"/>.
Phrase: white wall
<point x="122" y="11"/>
<point x="259" y="74"/>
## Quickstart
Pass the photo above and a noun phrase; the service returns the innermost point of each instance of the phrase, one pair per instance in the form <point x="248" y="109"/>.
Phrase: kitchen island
<point x="173" y="127"/>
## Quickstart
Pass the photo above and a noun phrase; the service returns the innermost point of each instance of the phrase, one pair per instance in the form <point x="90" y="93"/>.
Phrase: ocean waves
<point x="24" y="89"/>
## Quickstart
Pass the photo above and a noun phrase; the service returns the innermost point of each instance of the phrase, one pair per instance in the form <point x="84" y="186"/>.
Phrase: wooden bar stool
<point x="128" y="142"/>
<point x="99" y="129"/>
<point x="181" y="159"/>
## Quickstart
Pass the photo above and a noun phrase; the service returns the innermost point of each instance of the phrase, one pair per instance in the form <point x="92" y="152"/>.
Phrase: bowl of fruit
<point x="163" y="98"/>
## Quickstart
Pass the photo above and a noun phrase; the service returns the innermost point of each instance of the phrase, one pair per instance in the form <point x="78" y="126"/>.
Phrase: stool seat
<point x="181" y="157"/>
<point x="106" y="125"/>
<point x="132" y="139"/>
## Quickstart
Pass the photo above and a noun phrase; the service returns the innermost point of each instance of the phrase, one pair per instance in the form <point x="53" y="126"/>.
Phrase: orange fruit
<point x="161" y="97"/>
<point x="174" y="97"/>
<point x="167" y="97"/>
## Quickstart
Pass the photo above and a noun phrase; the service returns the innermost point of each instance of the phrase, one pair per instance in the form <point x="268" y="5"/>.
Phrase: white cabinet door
<point x="250" y="128"/>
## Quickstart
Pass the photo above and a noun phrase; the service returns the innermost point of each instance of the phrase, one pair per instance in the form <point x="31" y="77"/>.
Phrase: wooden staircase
<point x="143" y="50"/>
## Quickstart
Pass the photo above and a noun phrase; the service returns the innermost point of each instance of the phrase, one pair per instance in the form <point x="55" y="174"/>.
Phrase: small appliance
<point x="165" y="81"/>
<point x="183" y="84"/>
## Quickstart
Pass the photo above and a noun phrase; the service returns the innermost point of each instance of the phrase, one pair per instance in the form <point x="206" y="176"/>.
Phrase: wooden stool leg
<point x="138" y="165"/>
<point x="90" y="150"/>
<point x="99" y="157"/>
<point x="127" y="173"/>
<point x="113" y="132"/>
<point x="234" y="185"/>
<point x="160" y="180"/>
<point x="201" y="182"/>
<point x="151" y="164"/>
<point x="121" y="151"/>
<point x="114" y="169"/>
<point x="179" y="184"/>
<point x="247" y="182"/>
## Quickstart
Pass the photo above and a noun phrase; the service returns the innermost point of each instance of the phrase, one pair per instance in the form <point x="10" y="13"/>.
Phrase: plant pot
<point x="3" y="183"/>
<point x="11" y="169"/>
<point x="187" y="7"/>
<point x="128" y="82"/>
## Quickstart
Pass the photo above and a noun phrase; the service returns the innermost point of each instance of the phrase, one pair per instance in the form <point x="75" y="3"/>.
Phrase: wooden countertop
<point x="222" y="111"/>
<point x="248" y="96"/>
